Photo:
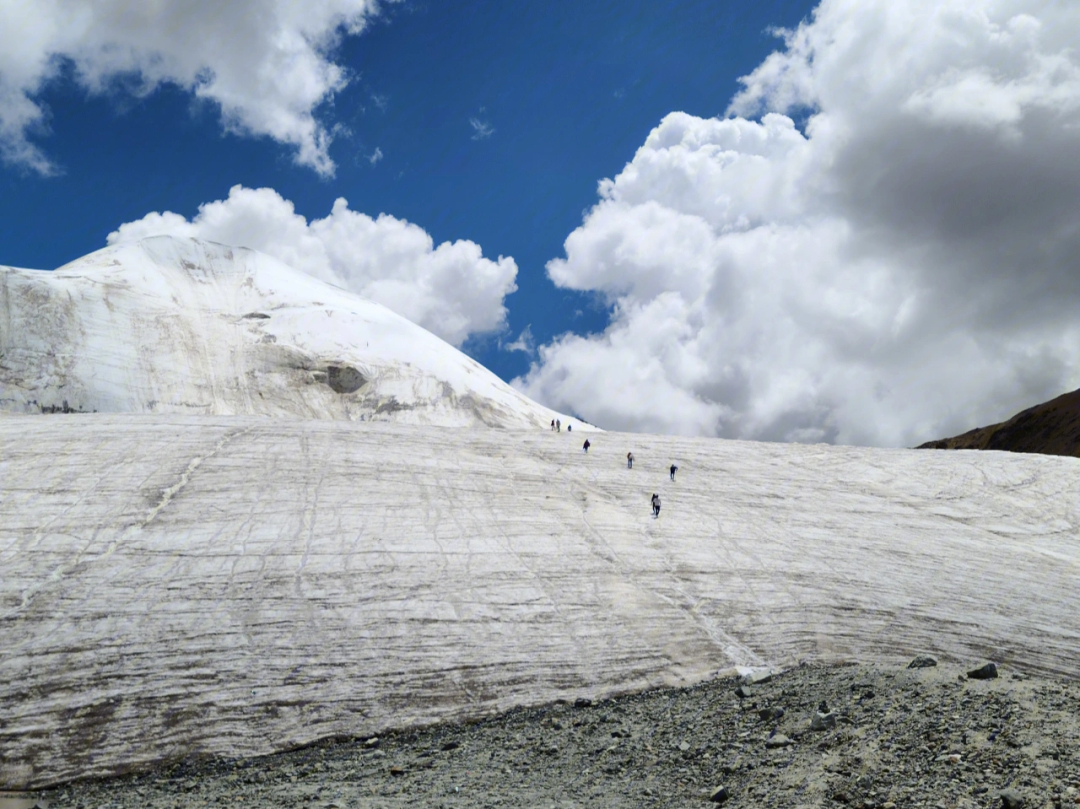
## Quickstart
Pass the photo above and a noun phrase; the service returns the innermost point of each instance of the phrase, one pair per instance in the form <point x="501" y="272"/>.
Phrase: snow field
<point x="181" y="585"/>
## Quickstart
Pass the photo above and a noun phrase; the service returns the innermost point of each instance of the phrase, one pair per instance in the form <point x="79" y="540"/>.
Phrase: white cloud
<point x="525" y="342"/>
<point x="905" y="267"/>
<point x="451" y="290"/>
<point x="375" y="156"/>
<point x="481" y="129"/>
<point x="266" y="64"/>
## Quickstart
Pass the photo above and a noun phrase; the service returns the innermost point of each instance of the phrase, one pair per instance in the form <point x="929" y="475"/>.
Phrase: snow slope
<point x="170" y="325"/>
<point x="174" y="585"/>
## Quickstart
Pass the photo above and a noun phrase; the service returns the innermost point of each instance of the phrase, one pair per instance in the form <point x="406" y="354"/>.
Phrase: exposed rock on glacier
<point x="169" y="325"/>
<point x="173" y="585"/>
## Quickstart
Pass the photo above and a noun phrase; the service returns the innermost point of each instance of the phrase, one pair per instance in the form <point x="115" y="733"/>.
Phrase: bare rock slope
<point x="168" y="325"/>
<point x="1050" y="428"/>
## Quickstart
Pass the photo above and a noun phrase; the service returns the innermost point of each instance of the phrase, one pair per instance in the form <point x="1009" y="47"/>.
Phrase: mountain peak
<point x="179" y="325"/>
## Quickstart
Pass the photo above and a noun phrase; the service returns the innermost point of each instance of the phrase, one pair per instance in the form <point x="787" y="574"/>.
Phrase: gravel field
<point x="849" y="735"/>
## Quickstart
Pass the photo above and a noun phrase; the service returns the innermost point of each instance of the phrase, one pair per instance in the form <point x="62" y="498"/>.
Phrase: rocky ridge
<point x="1050" y="428"/>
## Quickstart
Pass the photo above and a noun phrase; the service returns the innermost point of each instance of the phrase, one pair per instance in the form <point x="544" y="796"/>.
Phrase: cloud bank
<point x="265" y="63"/>
<point x="903" y="265"/>
<point x="450" y="290"/>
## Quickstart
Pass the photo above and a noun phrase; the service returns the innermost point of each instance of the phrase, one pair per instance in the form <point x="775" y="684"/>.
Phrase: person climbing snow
<point x="553" y="425"/>
<point x="569" y="428"/>
<point x="655" y="506"/>
<point x="673" y="470"/>
<point x="585" y="446"/>
<point x="629" y="460"/>
<point x="558" y="425"/>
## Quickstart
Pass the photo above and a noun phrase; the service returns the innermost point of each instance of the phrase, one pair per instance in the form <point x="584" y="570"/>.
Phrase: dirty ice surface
<point x="177" y="585"/>
<point x="171" y="325"/>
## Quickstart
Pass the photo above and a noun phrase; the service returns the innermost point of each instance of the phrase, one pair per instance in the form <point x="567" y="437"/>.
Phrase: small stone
<point x="684" y="746"/>
<point x="451" y="745"/>
<point x="743" y="692"/>
<point x="582" y="702"/>
<point x="823" y="721"/>
<point x="720" y="794"/>
<point x="372" y="742"/>
<point x="395" y="770"/>
<point x="778" y="740"/>
<point x="987" y="672"/>
<point x="922" y="662"/>
<point x="1011" y="799"/>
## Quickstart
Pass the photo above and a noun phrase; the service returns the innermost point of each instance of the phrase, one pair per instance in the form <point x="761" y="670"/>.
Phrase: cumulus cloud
<point x="266" y="64"/>
<point x="903" y="265"/>
<point x="451" y="290"/>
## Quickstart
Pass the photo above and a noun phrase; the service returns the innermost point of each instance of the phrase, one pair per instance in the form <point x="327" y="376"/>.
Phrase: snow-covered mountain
<point x="168" y="325"/>
<point x="179" y="585"/>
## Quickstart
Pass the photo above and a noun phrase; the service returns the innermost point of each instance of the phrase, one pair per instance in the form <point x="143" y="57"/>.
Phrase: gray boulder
<point x="720" y="795"/>
<point x="1011" y="799"/>
<point x="987" y="672"/>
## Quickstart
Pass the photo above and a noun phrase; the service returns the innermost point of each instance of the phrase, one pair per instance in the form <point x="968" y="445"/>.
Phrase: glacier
<point x="178" y="585"/>
<point x="242" y="510"/>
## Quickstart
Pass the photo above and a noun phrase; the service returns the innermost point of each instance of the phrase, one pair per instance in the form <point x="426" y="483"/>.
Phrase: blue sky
<point x="863" y="231"/>
<point x="568" y="90"/>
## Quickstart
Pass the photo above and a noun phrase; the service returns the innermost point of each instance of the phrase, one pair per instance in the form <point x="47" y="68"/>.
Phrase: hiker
<point x="655" y="506"/>
<point x="585" y="446"/>
<point x="558" y="425"/>
<point x="553" y="425"/>
<point x="569" y="428"/>
<point x="673" y="470"/>
<point x="629" y="460"/>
